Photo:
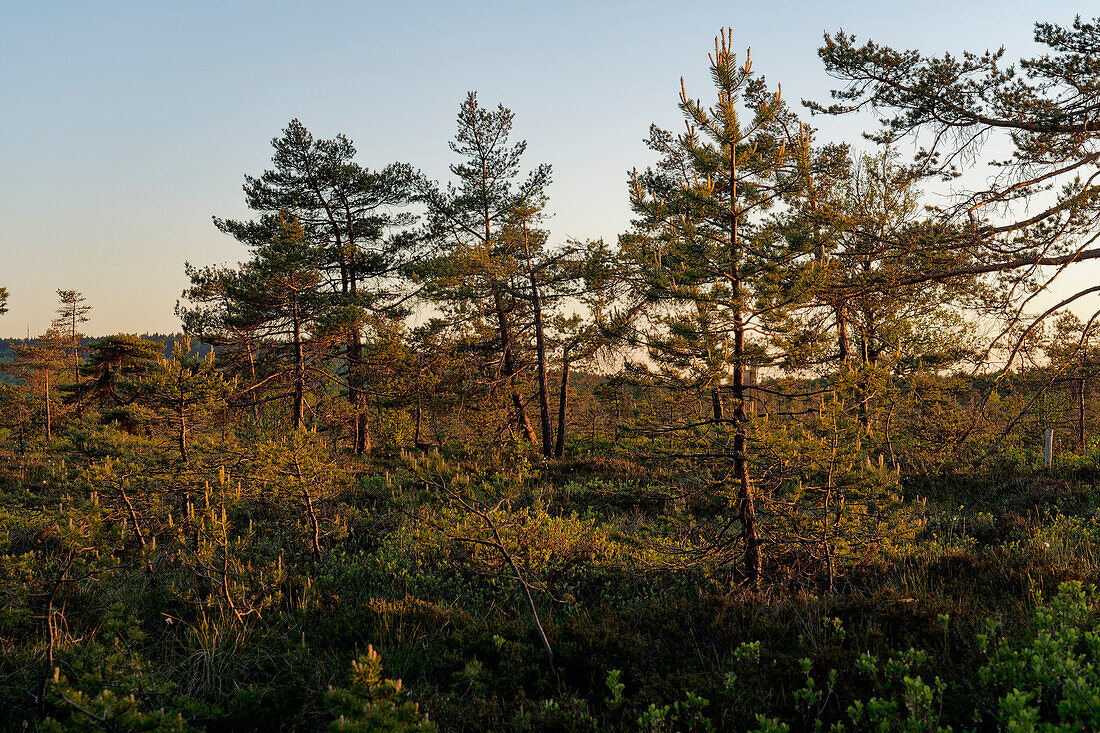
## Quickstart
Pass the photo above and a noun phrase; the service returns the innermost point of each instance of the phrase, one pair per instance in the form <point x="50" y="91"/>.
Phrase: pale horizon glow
<point x="129" y="124"/>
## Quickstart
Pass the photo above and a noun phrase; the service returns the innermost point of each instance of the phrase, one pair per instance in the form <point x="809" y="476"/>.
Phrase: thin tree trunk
<point x="544" y="397"/>
<point x="252" y="369"/>
<point x="182" y="415"/>
<point x="357" y="394"/>
<point x="76" y="349"/>
<point x="563" y="396"/>
<point x="509" y="365"/>
<point x="299" y="371"/>
<point x="49" y="417"/>
<point x="540" y="353"/>
<point x="862" y="386"/>
<point x="745" y="494"/>
<point x="183" y="437"/>
<point x="132" y="512"/>
<point x="1081" y="414"/>
<point x="315" y="526"/>
<point x="843" y="343"/>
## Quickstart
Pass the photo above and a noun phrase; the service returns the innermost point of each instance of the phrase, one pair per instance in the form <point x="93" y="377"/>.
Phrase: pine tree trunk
<point x="299" y="371"/>
<point x="183" y="437"/>
<point x="357" y="393"/>
<point x="844" y="345"/>
<point x="862" y="386"/>
<point x="76" y="350"/>
<point x="540" y="353"/>
<point x="509" y="369"/>
<point x="181" y="413"/>
<point x="252" y="369"/>
<point x="1081" y="414"/>
<point x="745" y="495"/>
<point x="563" y="396"/>
<point x="49" y="417"/>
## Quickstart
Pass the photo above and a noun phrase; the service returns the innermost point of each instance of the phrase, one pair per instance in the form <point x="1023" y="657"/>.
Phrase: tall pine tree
<point x="354" y="218"/>
<point x="478" y="271"/>
<point x="701" y="253"/>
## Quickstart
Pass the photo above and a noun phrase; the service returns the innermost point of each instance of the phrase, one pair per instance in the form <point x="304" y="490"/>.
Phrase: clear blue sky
<point x="126" y="125"/>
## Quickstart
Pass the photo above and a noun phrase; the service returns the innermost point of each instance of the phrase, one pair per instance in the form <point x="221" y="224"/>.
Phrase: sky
<point x="125" y="126"/>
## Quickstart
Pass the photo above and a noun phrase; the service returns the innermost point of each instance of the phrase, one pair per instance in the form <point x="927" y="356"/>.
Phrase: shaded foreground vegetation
<point x="147" y="595"/>
<point x="793" y="481"/>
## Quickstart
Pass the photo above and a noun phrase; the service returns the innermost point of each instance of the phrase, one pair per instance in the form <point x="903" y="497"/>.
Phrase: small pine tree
<point x="373" y="703"/>
<point x="71" y="312"/>
<point x="183" y="390"/>
<point x="703" y="260"/>
<point x="38" y="366"/>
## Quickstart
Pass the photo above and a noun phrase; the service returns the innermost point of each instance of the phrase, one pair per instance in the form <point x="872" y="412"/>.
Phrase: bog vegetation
<point x="772" y="461"/>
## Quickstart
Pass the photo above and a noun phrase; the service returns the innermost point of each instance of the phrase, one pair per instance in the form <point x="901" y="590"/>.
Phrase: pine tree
<point x="371" y="702"/>
<point x="351" y="216"/>
<point x="183" y="389"/>
<point x="478" y="271"/>
<point x="116" y="369"/>
<point x="272" y="306"/>
<point x="701" y="254"/>
<point x="37" y="365"/>
<point x="1035" y="209"/>
<point x="71" y="312"/>
<point x="865" y="336"/>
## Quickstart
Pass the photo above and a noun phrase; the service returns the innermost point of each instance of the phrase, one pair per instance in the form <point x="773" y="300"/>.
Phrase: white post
<point x="1048" y="447"/>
